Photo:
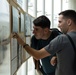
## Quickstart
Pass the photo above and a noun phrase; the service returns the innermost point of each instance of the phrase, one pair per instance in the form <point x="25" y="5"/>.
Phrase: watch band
<point x="25" y="45"/>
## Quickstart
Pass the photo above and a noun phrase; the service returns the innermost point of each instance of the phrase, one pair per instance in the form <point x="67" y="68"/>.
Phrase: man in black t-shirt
<point x="42" y="36"/>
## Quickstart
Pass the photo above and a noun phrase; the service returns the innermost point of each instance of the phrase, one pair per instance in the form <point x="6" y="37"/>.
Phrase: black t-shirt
<point x="38" y="44"/>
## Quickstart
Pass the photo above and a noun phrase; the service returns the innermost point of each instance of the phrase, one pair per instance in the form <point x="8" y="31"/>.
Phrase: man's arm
<point x="36" y="63"/>
<point x="34" y="44"/>
<point x="37" y="54"/>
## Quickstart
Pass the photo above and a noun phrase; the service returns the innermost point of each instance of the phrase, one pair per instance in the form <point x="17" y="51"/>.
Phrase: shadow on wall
<point x="4" y="37"/>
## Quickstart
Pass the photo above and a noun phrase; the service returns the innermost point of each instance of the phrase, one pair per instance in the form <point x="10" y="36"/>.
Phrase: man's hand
<point x="14" y="35"/>
<point x="53" y="61"/>
<point x="20" y="41"/>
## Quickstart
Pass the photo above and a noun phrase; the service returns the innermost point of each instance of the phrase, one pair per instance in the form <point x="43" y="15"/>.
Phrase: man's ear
<point x="46" y="30"/>
<point x="69" y="21"/>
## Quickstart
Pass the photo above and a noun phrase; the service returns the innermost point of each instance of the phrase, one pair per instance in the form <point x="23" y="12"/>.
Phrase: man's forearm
<point x="30" y="50"/>
<point x="37" y="54"/>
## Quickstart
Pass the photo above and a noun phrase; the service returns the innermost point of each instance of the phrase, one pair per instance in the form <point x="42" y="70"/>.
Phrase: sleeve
<point x="55" y="45"/>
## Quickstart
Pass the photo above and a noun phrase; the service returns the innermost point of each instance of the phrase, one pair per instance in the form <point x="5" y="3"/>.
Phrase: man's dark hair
<point x="42" y="21"/>
<point x="71" y="14"/>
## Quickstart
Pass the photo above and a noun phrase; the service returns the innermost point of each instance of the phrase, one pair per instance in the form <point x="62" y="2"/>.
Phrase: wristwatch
<point x="25" y="45"/>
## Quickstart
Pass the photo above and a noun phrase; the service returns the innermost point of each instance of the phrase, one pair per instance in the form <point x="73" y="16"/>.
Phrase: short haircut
<point x="42" y="21"/>
<point x="71" y="14"/>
